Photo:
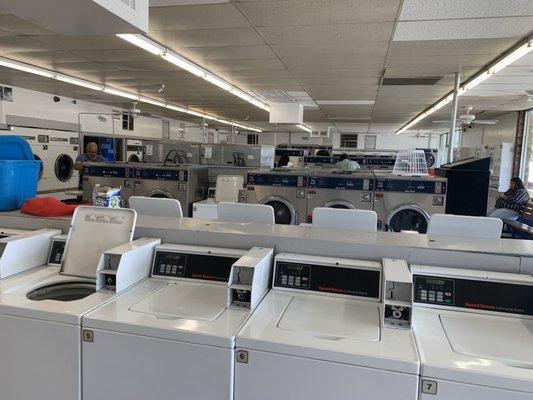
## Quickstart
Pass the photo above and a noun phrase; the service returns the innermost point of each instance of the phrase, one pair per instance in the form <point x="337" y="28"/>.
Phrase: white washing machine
<point x="173" y="335"/>
<point x="318" y="334"/>
<point x="407" y="202"/>
<point x="474" y="332"/>
<point x="134" y="150"/>
<point x="41" y="310"/>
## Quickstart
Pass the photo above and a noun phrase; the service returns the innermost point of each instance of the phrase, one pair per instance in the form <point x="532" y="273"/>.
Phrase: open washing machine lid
<point x="333" y="319"/>
<point x="284" y="212"/>
<point x="408" y="217"/>
<point x="185" y="300"/>
<point x="506" y="340"/>
<point x="94" y="230"/>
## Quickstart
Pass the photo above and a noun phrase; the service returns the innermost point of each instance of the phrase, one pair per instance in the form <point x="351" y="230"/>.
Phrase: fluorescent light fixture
<point x="121" y="93"/>
<point x="143" y="42"/>
<point x="78" y="82"/>
<point x="183" y="63"/>
<point x="479" y="78"/>
<point x="152" y="101"/>
<point x="176" y="108"/>
<point x="249" y="128"/>
<point x="239" y="93"/>
<point x="259" y="104"/>
<point x="199" y="114"/>
<point x="26" y="68"/>
<point x="305" y="128"/>
<point x="217" y="81"/>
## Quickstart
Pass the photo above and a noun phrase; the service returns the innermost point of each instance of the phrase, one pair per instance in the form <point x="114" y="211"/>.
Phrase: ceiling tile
<point x="21" y="26"/>
<point x="243" y="36"/>
<point x="338" y="63"/>
<point x="311" y="72"/>
<point x="450" y="47"/>
<point x="373" y="50"/>
<point x="212" y="53"/>
<point x="196" y="17"/>
<point x="316" y="12"/>
<point x="84" y="42"/>
<point x="453" y="62"/>
<point x="22" y="43"/>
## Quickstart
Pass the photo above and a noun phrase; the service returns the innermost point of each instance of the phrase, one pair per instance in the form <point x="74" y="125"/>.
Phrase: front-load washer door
<point x="341" y="204"/>
<point x="408" y="218"/>
<point x="332" y="319"/>
<point x="503" y="339"/>
<point x="161" y="194"/>
<point x="284" y="212"/>
<point x="134" y="158"/>
<point x="64" y="167"/>
<point x="185" y="300"/>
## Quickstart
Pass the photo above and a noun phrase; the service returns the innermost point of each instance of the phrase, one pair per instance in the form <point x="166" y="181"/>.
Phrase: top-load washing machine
<point x="407" y="202"/>
<point x="41" y="310"/>
<point x="474" y="332"/>
<point x="285" y="190"/>
<point x="103" y="174"/>
<point x="186" y="183"/>
<point x="173" y="335"/>
<point x="319" y="334"/>
<point x="335" y="189"/>
<point x="134" y="150"/>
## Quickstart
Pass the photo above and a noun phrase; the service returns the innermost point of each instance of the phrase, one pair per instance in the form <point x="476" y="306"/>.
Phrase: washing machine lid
<point x="506" y="340"/>
<point x="331" y="319"/>
<point x="184" y="300"/>
<point x="94" y="230"/>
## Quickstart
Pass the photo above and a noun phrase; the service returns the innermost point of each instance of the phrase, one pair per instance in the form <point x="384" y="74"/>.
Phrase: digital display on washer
<point x="107" y="171"/>
<point x="328" y="279"/>
<point x="277" y="180"/>
<point x="161" y="174"/>
<point x="407" y="186"/>
<point x="327" y="182"/>
<point x="476" y="295"/>
<point x="56" y="252"/>
<point x="193" y="266"/>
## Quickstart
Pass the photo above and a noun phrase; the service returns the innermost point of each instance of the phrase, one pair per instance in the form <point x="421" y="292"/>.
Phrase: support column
<point x="455" y="104"/>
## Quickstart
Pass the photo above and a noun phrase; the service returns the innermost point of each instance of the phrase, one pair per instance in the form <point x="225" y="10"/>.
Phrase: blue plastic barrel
<point x="19" y="173"/>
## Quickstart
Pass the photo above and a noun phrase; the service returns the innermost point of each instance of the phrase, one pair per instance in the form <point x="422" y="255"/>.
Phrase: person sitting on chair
<point x="510" y="204"/>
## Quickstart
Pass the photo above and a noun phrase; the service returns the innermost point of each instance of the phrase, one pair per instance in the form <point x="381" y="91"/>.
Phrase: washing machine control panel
<point x="161" y="174"/>
<point x="410" y="186"/>
<point x="482" y="295"/>
<point x="277" y="180"/>
<point x="107" y="171"/>
<point x="192" y="266"/>
<point x="328" y="279"/>
<point x="325" y="182"/>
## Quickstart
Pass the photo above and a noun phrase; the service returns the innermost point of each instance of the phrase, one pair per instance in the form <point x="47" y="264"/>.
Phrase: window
<point x="349" y="140"/>
<point x="253" y="138"/>
<point x="127" y="121"/>
<point x="526" y="164"/>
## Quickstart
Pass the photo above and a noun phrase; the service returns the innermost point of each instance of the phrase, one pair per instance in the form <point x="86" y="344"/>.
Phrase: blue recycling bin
<point x="19" y="173"/>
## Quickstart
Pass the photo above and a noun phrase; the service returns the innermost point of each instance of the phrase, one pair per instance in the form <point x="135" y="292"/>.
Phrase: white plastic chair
<point x="242" y="212"/>
<point x="337" y="218"/>
<point x="463" y="225"/>
<point x="156" y="207"/>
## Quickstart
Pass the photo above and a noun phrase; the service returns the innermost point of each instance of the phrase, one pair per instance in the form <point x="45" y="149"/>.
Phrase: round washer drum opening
<point x="65" y="291"/>
<point x="343" y="205"/>
<point x="160" y="194"/>
<point x="408" y="219"/>
<point x="134" y="158"/>
<point x="284" y="213"/>
<point x="64" y="167"/>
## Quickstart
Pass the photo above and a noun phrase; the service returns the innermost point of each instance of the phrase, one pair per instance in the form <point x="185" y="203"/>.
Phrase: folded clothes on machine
<point x="47" y="207"/>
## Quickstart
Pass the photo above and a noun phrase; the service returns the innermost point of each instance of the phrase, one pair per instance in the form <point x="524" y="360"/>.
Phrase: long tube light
<point x="479" y="78"/>
<point x="149" y="45"/>
<point x="305" y="128"/>
<point x="5" y="62"/>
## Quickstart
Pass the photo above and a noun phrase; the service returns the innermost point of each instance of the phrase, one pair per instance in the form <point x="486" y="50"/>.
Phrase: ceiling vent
<point x="426" y="81"/>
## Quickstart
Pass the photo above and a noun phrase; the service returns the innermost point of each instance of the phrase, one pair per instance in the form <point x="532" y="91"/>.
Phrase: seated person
<point x="91" y="154"/>
<point x="510" y="204"/>
<point x="345" y="164"/>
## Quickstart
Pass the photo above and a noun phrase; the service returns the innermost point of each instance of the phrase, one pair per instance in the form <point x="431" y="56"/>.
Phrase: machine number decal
<point x="242" y="356"/>
<point x="88" y="335"/>
<point x="429" y="387"/>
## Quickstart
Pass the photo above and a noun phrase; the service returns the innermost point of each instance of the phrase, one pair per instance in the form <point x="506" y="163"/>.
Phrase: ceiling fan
<point x="468" y="119"/>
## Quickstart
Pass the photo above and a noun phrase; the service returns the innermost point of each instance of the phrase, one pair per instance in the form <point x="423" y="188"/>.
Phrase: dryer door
<point x="284" y="212"/>
<point x="134" y="158"/>
<point x="408" y="217"/>
<point x="345" y="205"/>
<point x="64" y="167"/>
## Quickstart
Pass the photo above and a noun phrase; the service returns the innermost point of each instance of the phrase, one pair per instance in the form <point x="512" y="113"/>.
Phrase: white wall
<point x="503" y="132"/>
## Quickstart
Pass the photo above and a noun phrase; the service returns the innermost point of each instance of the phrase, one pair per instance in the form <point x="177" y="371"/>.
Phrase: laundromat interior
<point x="266" y="199"/>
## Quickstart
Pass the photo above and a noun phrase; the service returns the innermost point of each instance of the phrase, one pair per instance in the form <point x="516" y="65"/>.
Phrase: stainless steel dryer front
<point x="186" y="183"/>
<point x="336" y="189"/>
<point x="407" y="202"/>
<point x="285" y="190"/>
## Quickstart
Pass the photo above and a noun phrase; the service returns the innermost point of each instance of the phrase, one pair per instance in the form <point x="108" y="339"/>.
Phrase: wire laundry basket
<point x="411" y="162"/>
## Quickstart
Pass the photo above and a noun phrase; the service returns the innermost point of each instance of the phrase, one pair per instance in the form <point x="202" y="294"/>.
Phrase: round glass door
<point x="134" y="158"/>
<point x="408" y="219"/>
<point x="343" y="205"/>
<point x="284" y="212"/>
<point x="160" y="194"/>
<point x="64" y="167"/>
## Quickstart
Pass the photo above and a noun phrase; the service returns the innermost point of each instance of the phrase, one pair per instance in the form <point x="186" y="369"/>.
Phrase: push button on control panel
<point x="434" y="290"/>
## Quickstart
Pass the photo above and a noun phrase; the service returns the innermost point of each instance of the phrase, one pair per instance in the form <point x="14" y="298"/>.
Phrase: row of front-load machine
<point x="145" y="320"/>
<point x="401" y="202"/>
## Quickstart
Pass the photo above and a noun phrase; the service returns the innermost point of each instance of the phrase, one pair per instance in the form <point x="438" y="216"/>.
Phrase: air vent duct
<point x="426" y="81"/>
